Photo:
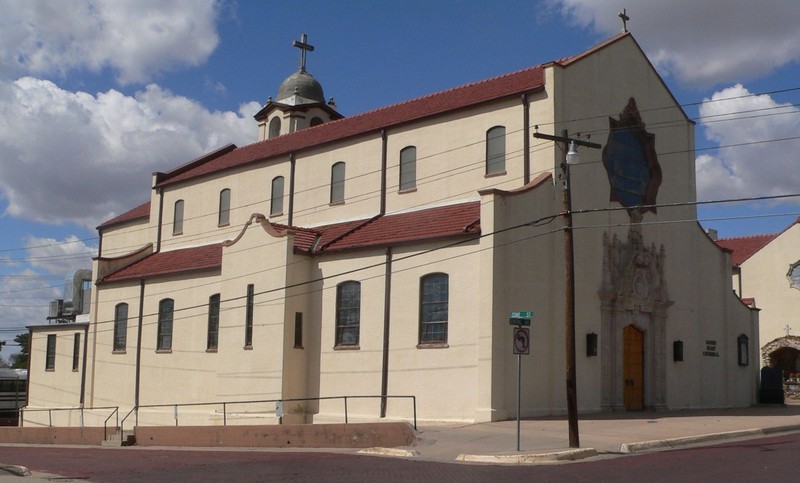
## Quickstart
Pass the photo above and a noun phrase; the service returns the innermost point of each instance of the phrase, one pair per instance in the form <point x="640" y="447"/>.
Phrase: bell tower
<point x="300" y="102"/>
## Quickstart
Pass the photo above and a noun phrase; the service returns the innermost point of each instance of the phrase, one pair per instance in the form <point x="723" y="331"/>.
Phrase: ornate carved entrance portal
<point x="634" y="303"/>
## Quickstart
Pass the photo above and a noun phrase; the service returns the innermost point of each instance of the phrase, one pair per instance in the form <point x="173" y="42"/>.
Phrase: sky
<point x="96" y="95"/>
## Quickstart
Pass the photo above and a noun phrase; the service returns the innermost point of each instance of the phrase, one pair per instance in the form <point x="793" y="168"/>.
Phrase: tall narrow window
<point x="276" y="201"/>
<point x="743" y="350"/>
<point x="348" y="313"/>
<point x="434" y="290"/>
<point x="298" y="330"/>
<point x="213" y="323"/>
<point x="248" y="322"/>
<point x="50" y="357"/>
<point x="120" y="327"/>
<point x="274" y="127"/>
<point x="496" y="150"/>
<point x="165" y="312"/>
<point x="337" y="183"/>
<point x="408" y="168"/>
<point x="224" y="207"/>
<point x="177" y="219"/>
<point x="76" y="352"/>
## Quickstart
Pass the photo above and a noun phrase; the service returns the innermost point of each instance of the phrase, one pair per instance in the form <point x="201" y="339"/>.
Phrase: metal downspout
<point x="384" y="162"/>
<point x="526" y="144"/>
<point x="139" y="347"/>
<point x="387" y="298"/>
<point x="291" y="189"/>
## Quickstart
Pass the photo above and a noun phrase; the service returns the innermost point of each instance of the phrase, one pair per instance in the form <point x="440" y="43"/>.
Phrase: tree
<point x="20" y="361"/>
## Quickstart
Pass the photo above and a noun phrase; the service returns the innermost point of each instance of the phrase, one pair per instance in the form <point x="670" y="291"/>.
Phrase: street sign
<point x="520" y="318"/>
<point x="522" y="341"/>
<point x="521" y="315"/>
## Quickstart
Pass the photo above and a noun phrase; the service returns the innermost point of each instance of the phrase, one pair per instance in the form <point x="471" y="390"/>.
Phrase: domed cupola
<point x="300" y="102"/>
<point x="300" y="88"/>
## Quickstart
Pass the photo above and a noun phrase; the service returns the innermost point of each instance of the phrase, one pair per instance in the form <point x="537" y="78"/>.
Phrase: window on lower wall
<point x="433" y="310"/>
<point x="213" y="323"/>
<point x="348" y="313"/>
<point x="165" y="312"/>
<point x="50" y="357"/>
<point x="76" y="352"/>
<point x="248" y="322"/>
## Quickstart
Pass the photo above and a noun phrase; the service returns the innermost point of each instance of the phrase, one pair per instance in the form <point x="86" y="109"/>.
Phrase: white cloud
<point x="701" y="42"/>
<point x="753" y="167"/>
<point x="24" y="300"/>
<point x="135" y="38"/>
<point x="59" y="257"/>
<point x="73" y="156"/>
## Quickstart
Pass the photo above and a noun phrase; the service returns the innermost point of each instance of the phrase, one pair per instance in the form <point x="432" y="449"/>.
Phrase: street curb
<point x="15" y="470"/>
<point x="704" y="438"/>
<point x="515" y="459"/>
<point x="402" y="453"/>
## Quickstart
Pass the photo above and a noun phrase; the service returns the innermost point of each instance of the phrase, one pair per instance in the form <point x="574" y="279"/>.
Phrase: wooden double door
<point x="633" y="368"/>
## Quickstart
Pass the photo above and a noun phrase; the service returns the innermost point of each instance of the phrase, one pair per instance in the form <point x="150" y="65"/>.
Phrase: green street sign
<point x="521" y="315"/>
<point x="520" y="322"/>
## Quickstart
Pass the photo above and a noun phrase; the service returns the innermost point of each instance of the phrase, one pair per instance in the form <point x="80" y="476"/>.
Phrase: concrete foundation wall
<point x="88" y="436"/>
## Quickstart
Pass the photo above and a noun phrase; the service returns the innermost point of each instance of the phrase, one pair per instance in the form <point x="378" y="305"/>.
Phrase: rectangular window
<point x="177" y="218"/>
<point x="120" y="327"/>
<point x="276" y="200"/>
<point x="408" y="168"/>
<point x="434" y="292"/>
<point x="50" y="359"/>
<point x="337" y="183"/>
<point x="496" y="150"/>
<point x="348" y="313"/>
<point x="298" y="330"/>
<point x="248" y="322"/>
<point x="224" y="207"/>
<point x="213" y="323"/>
<point x="76" y="353"/>
<point x="165" y="310"/>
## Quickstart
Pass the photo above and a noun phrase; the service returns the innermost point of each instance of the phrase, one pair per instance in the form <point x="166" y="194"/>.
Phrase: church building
<point x="383" y="254"/>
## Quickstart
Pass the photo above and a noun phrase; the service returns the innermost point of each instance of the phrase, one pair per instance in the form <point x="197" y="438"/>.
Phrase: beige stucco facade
<point x="655" y="272"/>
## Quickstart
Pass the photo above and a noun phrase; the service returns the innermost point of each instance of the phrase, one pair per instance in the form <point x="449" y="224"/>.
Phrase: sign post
<point x="522" y="345"/>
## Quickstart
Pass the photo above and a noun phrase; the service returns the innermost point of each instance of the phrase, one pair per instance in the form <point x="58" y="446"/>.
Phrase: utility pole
<point x="571" y="157"/>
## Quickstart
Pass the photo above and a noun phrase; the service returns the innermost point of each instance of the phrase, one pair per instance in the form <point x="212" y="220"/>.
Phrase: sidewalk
<point x="615" y="433"/>
<point x="546" y="439"/>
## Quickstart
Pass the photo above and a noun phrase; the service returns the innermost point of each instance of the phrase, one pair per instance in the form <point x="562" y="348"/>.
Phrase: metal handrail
<point x="226" y="403"/>
<point x="22" y="411"/>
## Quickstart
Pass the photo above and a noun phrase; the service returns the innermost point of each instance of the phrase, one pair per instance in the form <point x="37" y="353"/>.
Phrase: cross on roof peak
<point x="624" y="16"/>
<point x="304" y="47"/>
<point x="787" y="329"/>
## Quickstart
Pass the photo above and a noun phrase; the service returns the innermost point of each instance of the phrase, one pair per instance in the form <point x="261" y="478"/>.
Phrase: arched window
<point x="348" y="313"/>
<point x="274" y="128"/>
<point x="433" y="307"/>
<point x="120" y="326"/>
<point x="224" y="207"/>
<point x="164" y="338"/>
<point x="276" y="200"/>
<point x="337" y="183"/>
<point x="315" y="121"/>
<point x="496" y="150"/>
<point x="408" y="168"/>
<point x="213" y="323"/>
<point x="177" y="218"/>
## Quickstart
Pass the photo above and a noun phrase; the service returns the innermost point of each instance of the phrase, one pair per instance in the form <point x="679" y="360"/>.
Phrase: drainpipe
<point x="160" y="218"/>
<point x="83" y="365"/>
<point x="383" y="171"/>
<point x="526" y="137"/>
<point x="139" y="349"/>
<point x="291" y="189"/>
<point x="387" y="297"/>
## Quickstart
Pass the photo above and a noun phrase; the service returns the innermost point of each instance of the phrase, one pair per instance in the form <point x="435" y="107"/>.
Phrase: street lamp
<point x="571" y="158"/>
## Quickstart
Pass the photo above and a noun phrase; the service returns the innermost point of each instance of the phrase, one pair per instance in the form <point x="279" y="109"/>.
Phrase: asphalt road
<point x="764" y="459"/>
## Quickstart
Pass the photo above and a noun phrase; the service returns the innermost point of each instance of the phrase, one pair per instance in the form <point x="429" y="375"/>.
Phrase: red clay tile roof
<point x="390" y="230"/>
<point x="141" y="211"/>
<point x="526" y="80"/>
<point x="744" y="247"/>
<point x="173" y="262"/>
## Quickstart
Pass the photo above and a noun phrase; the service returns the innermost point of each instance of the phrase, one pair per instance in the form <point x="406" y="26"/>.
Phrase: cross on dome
<point x="304" y="47"/>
